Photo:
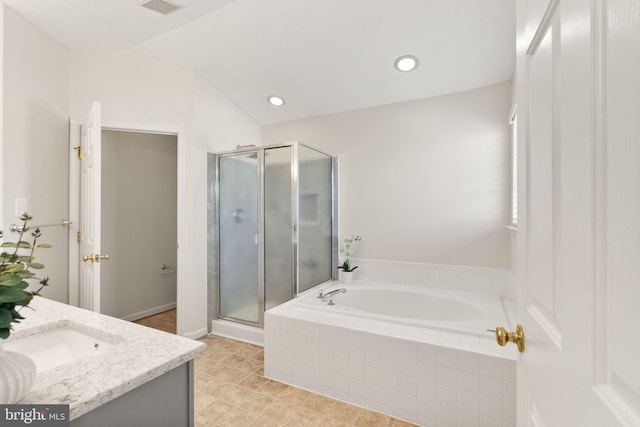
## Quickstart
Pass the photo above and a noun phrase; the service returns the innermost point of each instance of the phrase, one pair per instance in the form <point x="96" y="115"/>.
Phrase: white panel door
<point x="90" y="210"/>
<point x="578" y="95"/>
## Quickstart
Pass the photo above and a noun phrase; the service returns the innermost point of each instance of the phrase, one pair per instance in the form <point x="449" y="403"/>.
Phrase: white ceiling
<point x="321" y="56"/>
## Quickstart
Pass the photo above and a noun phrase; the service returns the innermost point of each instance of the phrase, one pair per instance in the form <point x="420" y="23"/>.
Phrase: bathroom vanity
<point x="109" y="371"/>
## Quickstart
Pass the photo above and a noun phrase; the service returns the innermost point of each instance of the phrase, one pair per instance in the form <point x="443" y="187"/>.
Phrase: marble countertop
<point x="143" y="355"/>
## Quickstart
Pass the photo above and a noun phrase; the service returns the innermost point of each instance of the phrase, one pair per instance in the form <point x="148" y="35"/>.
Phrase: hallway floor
<point x="231" y="391"/>
<point x="165" y="321"/>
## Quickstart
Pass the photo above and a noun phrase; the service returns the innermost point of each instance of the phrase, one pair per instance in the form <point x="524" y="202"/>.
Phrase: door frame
<point x="74" y="204"/>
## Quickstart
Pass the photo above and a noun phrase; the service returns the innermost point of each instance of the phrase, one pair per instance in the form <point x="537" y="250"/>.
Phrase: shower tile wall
<point x="420" y="382"/>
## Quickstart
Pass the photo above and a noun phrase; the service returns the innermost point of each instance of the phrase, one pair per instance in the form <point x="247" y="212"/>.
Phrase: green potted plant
<point x="17" y="260"/>
<point x="346" y="273"/>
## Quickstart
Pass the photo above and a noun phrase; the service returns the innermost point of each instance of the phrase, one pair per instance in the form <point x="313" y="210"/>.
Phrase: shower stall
<point x="272" y="218"/>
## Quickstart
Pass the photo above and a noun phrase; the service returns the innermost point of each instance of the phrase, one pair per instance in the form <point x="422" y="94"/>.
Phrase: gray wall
<point x="35" y="139"/>
<point x="139" y="208"/>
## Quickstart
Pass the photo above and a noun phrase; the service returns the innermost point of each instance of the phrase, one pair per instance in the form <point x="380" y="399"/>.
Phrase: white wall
<point x="2" y="8"/>
<point x="421" y="181"/>
<point x="36" y="139"/>
<point x="134" y="88"/>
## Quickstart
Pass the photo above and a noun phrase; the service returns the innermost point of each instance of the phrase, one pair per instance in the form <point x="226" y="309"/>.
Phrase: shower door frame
<point x="295" y="215"/>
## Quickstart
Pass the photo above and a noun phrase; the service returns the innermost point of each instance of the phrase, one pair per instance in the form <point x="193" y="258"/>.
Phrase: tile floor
<point x="231" y="391"/>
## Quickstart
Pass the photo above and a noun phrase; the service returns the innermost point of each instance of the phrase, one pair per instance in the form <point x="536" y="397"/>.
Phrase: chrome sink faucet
<point x="328" y="297"/>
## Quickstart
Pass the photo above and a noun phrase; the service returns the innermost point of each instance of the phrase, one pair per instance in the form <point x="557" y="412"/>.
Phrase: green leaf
<point x="27" y="300"/>
<point x="25" y="274"/>
<point x="13" y="268"/>
<point x="13" y="295"/>
<point x="4" y="333"/>
<point x="36" y="265"/>
<point x="44" y="246"/>
<point x="22" y="244"/>
<point x="5" y="318"/>
<point x="22" y="285"/>
<point x="10" y="279"/>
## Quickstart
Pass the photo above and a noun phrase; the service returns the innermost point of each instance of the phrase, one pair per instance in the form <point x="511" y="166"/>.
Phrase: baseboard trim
<point x="196" y="334"/>
<point x="238" y="331"/>
<point x="149" y="312"/>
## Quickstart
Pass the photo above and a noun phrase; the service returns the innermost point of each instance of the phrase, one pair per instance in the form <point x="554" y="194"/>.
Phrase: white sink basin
<point x="61" y="343"/>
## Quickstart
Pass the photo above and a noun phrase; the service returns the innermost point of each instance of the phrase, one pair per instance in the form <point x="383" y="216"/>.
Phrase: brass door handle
<point x="95" y="258"/>
<point x="516" y="337"/>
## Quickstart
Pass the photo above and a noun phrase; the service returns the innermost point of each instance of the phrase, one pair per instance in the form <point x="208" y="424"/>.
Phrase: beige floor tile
<point x="232" y="393"/>
<point x="294" y="396"/>
<point x="279" y="411"/>
<point x="302" y="418"/>
<point x="261" y="421"/>
<point x="202" y="401"/>
<point x="257" y="403"/>
<point x="273" y="388"/>
<point x="254" y="382"/>
<point x="344" y="412"/>
<point x="253" y="365"/>
<point x="239" y="418"/>
<point x="319" y="404"/>
<point x="229" y="374"/>
<point x="201" y="421"/>
<point x="248" y="352"/>
<point x="330" y="422"/>
<point x="372" y="419"/>
<point x="216" y="410"/>
<point x="394" y="422"/>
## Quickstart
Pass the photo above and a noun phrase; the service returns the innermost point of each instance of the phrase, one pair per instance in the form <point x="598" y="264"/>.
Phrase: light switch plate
<point x="21" y="206"/>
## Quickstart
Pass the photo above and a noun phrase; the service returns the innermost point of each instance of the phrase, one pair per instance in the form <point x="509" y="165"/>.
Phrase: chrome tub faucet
<point x="328" y="297"/>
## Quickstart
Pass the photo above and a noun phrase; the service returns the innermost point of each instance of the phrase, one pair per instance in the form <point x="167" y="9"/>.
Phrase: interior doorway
<point x="139" y="224"/>
<point x="79" y="230"/>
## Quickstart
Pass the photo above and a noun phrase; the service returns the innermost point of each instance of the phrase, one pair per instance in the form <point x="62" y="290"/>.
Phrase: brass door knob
<point x="517" y="337"/>
<point x="95" y="258"/>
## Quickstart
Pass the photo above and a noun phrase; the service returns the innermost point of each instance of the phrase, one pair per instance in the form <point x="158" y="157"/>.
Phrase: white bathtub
<point x="420" y="354"/>
<point x="458" y="311"/>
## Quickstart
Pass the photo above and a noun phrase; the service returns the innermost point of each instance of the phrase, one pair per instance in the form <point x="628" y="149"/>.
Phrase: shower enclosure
<point x="272" y="228"/>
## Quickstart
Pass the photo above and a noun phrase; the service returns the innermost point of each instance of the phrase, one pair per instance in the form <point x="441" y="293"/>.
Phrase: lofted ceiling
<point x="321" y="56"/>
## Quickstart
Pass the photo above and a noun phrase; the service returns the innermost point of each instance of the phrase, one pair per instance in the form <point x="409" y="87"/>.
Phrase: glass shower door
<point x="315" y="212"/>
<point x="238" y="216"/>
<point x="278" y="226"/>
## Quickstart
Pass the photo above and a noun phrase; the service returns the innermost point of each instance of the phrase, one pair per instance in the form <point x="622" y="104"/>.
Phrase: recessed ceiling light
<point x="275" y="100"/>
<point x="406" y="63"/>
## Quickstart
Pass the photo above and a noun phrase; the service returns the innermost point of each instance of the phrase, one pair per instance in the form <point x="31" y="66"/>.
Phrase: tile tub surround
<point x="426" y="376"/>
<point x="144" y="354"/>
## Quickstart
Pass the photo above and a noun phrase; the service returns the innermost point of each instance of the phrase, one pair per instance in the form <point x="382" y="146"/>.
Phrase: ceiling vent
<point x="160" y="6"/>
